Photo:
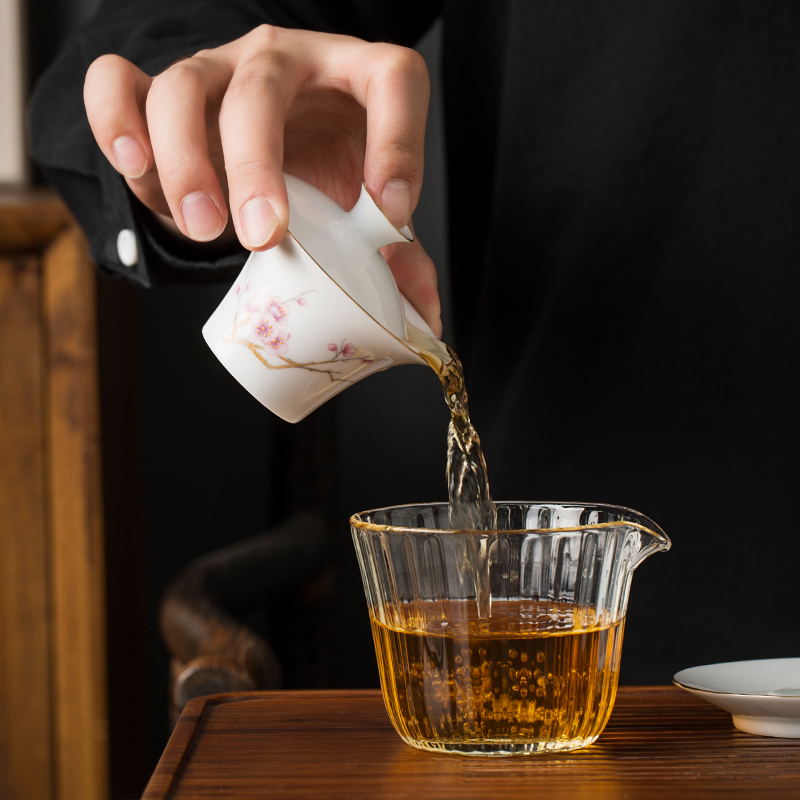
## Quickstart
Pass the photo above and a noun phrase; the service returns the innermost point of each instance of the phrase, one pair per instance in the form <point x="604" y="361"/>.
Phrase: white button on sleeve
<point x="127" y="249"/>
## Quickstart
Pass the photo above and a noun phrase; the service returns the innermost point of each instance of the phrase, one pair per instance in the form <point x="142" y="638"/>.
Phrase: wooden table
<point x="661" y="742"/>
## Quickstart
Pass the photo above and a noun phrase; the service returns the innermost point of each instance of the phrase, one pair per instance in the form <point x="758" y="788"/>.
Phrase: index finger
<point x="114" y="93"/>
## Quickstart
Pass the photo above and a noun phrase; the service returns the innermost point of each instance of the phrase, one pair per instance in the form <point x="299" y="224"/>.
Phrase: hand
<point x="216" y="131"/>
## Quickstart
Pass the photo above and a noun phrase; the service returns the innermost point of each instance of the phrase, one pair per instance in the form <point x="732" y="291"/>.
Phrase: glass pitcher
<point x="501" y="642"/>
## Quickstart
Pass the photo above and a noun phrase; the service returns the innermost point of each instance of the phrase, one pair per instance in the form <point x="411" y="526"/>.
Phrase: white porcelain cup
<point x="320" y="311"/>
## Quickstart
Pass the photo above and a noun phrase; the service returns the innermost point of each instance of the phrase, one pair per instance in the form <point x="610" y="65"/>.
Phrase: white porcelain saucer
<point x="763" y="696"/>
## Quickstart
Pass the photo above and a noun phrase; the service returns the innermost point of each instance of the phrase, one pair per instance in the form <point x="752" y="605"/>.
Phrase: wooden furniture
<point x="212" y="649"/>
<point x="52" y="652"/>
<point x="660" y="744"/>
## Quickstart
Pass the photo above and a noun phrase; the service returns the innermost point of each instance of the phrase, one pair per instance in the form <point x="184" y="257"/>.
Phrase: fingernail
<point x="130" y="157"/>
<point x="259" y="220"/>
<point x="396" y="202"/>
<point x="201" y="217"/>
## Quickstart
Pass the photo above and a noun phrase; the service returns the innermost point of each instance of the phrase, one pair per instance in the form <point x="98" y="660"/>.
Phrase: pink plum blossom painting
<point x="261" y="324"/>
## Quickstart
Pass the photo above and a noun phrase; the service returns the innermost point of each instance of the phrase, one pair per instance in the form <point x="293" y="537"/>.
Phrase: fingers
<point x="156" y="132"/>
<point x="415" y="275"/>
<point x="251" y="129"/>
<point x="176" y="118"/>
<point x="395" y="89"/>
<point x="114" y="94"/>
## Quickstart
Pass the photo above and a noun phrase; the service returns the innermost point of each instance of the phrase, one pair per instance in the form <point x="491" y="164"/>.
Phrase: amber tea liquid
<point x="471" y="505"/>
<point x="451" y="680"/>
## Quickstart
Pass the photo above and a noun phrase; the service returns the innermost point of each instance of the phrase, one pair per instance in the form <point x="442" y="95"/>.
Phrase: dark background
<point x="193" y="463"/>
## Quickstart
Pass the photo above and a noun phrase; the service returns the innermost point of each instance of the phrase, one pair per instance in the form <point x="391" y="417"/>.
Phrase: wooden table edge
<point x="181" y="743"/>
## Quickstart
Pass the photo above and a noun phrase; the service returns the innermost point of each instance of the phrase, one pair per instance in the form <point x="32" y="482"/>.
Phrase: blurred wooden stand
<point x="53" y="718"/>
<point x="204" y="611"/>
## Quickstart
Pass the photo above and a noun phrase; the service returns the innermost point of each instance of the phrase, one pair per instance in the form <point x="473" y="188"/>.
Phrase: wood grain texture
<point x="76" y="531"/>
<point x="25" y="721"/>
<point x="52" y="670"/>
<point x="660" y="744"/>
<point x="30" y="219"/>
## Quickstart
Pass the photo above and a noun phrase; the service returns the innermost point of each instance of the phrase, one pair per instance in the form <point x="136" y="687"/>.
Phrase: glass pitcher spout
<point x="653" y="540"/>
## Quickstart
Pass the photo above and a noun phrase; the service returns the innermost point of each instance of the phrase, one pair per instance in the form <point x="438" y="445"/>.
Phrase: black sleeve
<point x="153" y="34"/>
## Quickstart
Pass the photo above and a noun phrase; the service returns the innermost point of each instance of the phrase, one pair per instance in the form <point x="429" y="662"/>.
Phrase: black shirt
<point x="624" y="210"/>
